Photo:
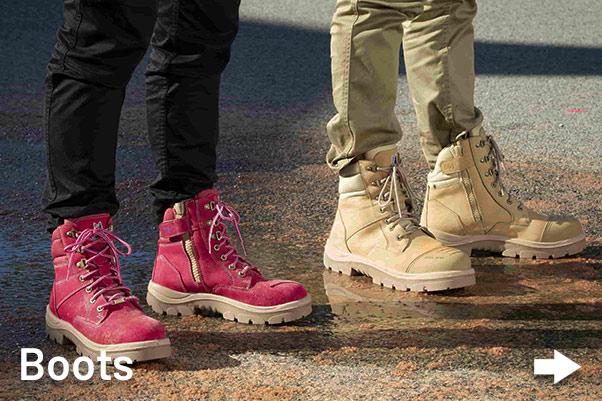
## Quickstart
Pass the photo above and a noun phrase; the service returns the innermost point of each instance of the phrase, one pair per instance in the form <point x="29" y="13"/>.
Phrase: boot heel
<point x="163" y="308"/>
<point x="56" y="335"/>
<point x="156" y="305"/>
<point x="340" y="267"/>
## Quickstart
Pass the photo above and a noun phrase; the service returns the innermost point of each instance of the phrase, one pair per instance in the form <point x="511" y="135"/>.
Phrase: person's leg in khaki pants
<point x="438" y="48"/>
<point x="438" y="41"/>
<point x="375" y="231"/>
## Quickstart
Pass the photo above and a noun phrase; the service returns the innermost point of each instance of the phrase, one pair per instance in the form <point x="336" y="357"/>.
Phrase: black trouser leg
<point x="190" y="49"/>
<point x="97" y="49"/>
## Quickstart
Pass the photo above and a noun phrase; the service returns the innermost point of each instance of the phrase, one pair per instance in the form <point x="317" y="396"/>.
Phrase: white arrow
<point x="560" y="367"/>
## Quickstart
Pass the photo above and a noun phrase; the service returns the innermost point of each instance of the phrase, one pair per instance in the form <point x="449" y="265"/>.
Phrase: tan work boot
<point x="375" y="232"/>
<point x="468" y="207"/>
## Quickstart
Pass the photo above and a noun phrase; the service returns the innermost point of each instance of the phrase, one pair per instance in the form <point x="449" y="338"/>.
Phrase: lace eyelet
<point x="216" y="247"/>
<point x="81" y="278"/>
<point x="99" y="309"/>
<point x="88" y="290"/>
<point x="82" y="264"/>
<point x="381" y="209"/>
<point x="241" y="274"/>
<point x="232" y="266"/>
<point x="71" y="233"/>
<point x="399" y="237"/>
<point x="223" y="257"/>
<point x="391" y="228"/>
<point x="92" y="300"/>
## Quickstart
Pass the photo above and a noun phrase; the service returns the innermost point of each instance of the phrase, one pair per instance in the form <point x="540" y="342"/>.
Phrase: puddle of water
<point x="357" y="298"/>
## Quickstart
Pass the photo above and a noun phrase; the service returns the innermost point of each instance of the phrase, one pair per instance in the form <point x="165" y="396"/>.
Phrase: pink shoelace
<point x="89" y="243"/>
<point x="217" y="231"/>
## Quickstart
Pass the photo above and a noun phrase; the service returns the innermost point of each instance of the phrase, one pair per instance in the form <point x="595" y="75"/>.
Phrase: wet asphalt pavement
<point x="540" y="88"/>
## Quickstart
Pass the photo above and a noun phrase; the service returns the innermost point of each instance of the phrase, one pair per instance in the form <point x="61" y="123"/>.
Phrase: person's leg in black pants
<point x="97" y="49"/>
<point x="190" y="49"/>
<point x="197" y="267"/>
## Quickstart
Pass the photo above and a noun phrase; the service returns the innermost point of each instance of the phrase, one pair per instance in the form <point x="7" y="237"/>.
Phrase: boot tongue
<point x="95" y="220"/>
<point x="102" y="220"/>
<point x="448" y="153"/>
<point x="382" y="155"/>
<point x="476" y="131"/>
<point x="208" y="195"/>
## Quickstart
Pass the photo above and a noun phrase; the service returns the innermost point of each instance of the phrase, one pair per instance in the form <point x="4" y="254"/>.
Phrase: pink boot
<point x="197" y="268"/>
<point x="89" y="305"/>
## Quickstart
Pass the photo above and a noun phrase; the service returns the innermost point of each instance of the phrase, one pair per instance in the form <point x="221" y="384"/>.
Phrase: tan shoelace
<point x="394" y="193"/>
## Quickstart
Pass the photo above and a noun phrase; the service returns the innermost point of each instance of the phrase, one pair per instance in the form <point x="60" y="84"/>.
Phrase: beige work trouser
<point x="366" y="37"/>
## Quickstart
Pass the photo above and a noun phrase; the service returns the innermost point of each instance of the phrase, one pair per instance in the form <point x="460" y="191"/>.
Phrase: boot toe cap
<point x="131" y="328"/>
<point x="266" y="293"/>
<point x="561" y="229"/>
<point x="441" y="259"/>
<point x="284" y="291"/>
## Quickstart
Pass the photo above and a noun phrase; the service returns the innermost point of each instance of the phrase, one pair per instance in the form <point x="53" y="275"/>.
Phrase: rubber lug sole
<point x="169" y="302"/>
<point x="64" y="333"/>
<point x="429" y="282"/>
<point x="512" y="249"/>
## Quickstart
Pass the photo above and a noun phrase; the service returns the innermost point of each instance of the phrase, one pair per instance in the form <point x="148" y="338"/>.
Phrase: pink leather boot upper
<point x="219" y="269"/>
<point x="88" y="291"/>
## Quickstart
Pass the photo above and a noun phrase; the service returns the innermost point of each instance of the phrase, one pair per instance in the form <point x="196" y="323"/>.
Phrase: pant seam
<point x="164" y="163"/>
<point x="49" y="99"/>
<point x="79" y="17"/>
<point x="449" y="112"/>
<point x="164" y="157"/>
<point x="347" y="72"/>
<point x="175" y="18"/>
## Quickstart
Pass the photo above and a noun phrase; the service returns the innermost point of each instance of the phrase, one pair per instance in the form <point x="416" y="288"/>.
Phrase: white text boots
<point x="467" y="206"/>
<point x="375" y="232"/>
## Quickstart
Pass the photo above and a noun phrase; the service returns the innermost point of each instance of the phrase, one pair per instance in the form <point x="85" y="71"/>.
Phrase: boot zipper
<point x="472" y="199"/>
<point x="188" y="245"/>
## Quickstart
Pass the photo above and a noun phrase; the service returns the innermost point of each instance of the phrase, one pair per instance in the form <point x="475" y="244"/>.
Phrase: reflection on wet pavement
<point x="486" y="335"/>
<point x="353" y="297"/>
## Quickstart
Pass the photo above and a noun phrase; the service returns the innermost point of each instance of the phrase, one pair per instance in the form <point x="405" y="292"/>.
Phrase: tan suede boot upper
<point x="467" y="205"/>
<point x="376" y="233"/>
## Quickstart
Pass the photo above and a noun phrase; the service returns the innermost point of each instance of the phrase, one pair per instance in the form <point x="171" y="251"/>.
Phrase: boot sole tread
<point x="174" y="303"/>
<point x="421" y="282"/>
<point x="514" y="248"/>
<point x="62" y="332"/>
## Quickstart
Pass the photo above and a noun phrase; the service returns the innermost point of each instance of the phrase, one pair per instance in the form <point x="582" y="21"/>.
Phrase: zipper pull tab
<point x="179" y="209"/>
